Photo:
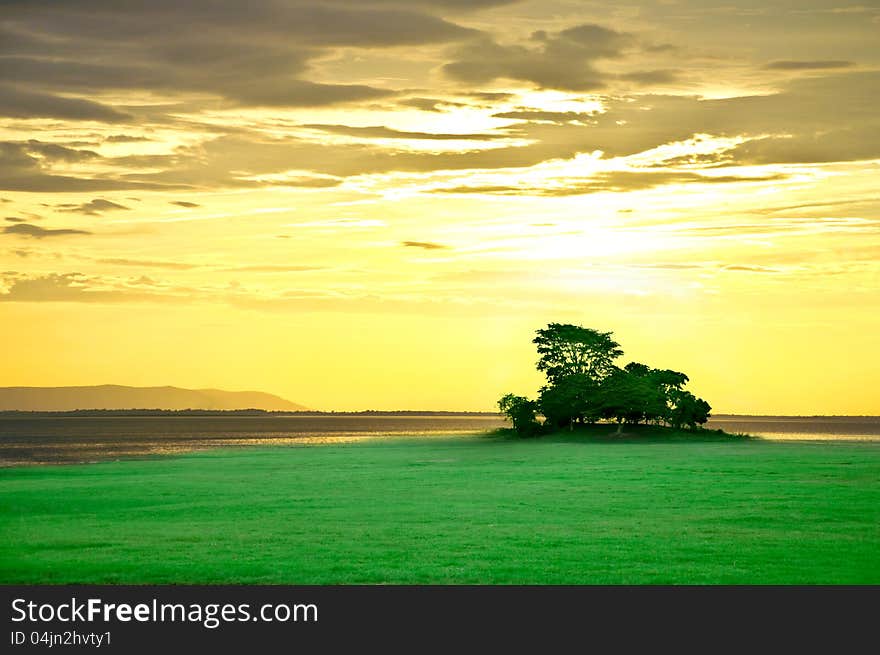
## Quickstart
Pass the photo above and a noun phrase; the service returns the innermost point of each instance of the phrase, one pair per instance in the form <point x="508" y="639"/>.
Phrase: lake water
<point x="44" y="440"/>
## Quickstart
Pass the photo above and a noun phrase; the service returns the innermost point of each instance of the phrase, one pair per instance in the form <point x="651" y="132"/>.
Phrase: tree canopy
<point x="565" y="349"/>
<point x="584" y="385"/>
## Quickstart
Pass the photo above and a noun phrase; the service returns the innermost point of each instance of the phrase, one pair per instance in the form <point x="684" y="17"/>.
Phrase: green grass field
<point x="472" y="509"/>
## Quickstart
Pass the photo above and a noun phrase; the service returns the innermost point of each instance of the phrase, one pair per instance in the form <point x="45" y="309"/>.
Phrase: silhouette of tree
<point x="658" y="385"/>
<point x="565" y="349"/>
<point x="584" y="386"/>
<point x="522" y="413"/>
<point x="572" y="399"/>
<point x="688" y="410"/>
<point x="626" y="397"/>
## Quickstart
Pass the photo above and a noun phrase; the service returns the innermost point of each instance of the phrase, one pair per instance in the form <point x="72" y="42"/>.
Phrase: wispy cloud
<point x="37" y="232"/>
<point x="424" y="245"/>
<point x="93" y="207"/>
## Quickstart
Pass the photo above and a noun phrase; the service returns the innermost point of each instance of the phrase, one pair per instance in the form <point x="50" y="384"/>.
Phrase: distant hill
<point x="112" y="396"/>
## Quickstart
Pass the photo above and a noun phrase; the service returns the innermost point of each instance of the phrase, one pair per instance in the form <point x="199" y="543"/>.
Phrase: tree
<point x="626" y="397"/>
<point x="565" y="349"/>
<point x="662" y="383"/>
<point x="572" y="399"/>
<point x="688" y="410"/>
<point x="522" y="413"/>
<point x="584" y="385"/>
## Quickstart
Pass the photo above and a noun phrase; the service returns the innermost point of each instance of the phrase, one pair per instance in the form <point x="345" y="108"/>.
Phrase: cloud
<point x="651" y="77"/>
<point x="185" y="203"/>
<point x="842" y="144"/>
<point x="612" y="181"/>
<point x="125" y="138"/>
<point x="19" y="103"/>
<point x="830" y="118"/>
<point x="381" y="132"/>
<point x="561" y="60"/>
<point x="57" y="152"/>
<point x="272" y="269"/>
<point x="464" y="5"/>
<point x="76" y="287"/>
<point x="431" y="104"/>
<point x="94" y="207"/>
<point x="15" y="219"/>
<point x="146" y="263"/>
<point x="790" y="65"/>
<point x="256" y="55"/>
<point x="37" y="232"/>
<point x="541" y="115"/>
<point x="425" y="245"/>
<point x="750" y="269"/>
<point x="815" y="119"/>
<point x="26" y="166"/>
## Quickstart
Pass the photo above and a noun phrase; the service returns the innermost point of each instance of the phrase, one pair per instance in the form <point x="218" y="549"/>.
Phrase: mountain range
<point x="113" y="396"/>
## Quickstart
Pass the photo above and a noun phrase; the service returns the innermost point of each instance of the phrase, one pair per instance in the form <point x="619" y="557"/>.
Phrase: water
<point x="45" y="440"/>
<point x="802" y="428"/>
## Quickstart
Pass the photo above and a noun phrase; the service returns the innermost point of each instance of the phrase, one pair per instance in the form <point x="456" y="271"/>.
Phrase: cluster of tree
<point x="585" y="386"/>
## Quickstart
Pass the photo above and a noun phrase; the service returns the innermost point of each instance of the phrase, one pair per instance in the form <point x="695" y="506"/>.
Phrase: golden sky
<point x="375" y="203"/>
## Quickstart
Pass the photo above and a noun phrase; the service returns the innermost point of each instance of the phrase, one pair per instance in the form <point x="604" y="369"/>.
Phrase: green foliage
<point x="572" y="399"/>
<point x="584" y="385"/>
<point x="688" y="410"/>
<point x="565" y="350"/>
<point x="522" y="412"/>
<point x="630" y="398"/>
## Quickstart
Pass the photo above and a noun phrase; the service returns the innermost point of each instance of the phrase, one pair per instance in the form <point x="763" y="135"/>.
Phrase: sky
<point x="375" y="203"/>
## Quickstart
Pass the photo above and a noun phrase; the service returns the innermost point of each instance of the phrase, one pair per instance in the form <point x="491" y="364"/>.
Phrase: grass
<point x="563" y="509"/>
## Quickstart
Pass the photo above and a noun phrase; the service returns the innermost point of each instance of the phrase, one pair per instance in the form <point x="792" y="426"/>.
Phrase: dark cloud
<point x="425" y="245"/>
<point x="306" y="94"/>
<point x="76" y="287"/>
<point x="226" y="160"/>
<point x="834" y="145"/>
<point x="489" y="96"/>
<point x="559" y="60"/>
<point x="16" y="102"/>
<point x="266" y="79"/>
<point x="474" y="99"/>
<point x="125" y="138"/>
<point x="25" y="166"/>
<point x="827" y="64"/>
<point x="465" y="5"/>
<point x="431" y="104"/>
<point x="651" y="77"/>
<point x="613" y="181"/>
<point x="94" y="207"/>
<point x="816" y="119"/>
<point x="184" y="203"/>
<point x="381" y="132"/>
<point x="301" y="182"/>
<point x="59" y="153"/>
<point x="255" y="54"/>
<point x="548" y="116"/>
<point x="15" y="219"/>
<point x="750" y="269"/>
<point x="146" y="263"/>
<point x="37" y="232"/>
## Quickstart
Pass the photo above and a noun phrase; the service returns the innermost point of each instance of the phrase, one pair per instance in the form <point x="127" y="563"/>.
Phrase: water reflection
<point x="62" y="440"/>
